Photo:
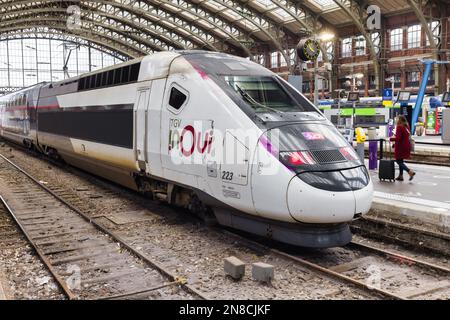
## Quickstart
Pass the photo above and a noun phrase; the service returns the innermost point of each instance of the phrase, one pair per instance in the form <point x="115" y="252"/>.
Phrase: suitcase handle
<point x="382" y="148"/>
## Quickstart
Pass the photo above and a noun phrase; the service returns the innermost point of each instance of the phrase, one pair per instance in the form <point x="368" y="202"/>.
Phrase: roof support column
<point x="347" y="7"/>
<point x="418" y="10"/>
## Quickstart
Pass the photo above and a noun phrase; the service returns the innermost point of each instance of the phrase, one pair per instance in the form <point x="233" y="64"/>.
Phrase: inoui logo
<point x="74" y="20"/>
<point x="373" y="17"/>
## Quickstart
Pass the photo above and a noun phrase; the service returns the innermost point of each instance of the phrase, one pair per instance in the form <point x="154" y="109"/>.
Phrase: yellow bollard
<point x="360" y="135"/>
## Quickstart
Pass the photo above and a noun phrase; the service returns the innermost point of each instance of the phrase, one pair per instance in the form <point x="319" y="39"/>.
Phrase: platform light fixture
<point x="326" y="36"/>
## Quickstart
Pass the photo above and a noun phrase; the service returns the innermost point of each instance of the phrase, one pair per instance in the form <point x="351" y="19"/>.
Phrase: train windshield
<point x="268" y="94"/>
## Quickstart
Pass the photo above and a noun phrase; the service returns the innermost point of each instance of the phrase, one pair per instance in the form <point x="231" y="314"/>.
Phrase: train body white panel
<point x="155" y="132"/>
<point x="110" y="155"/>
<point x="105" y="96"/>
<point x="269" y="181"/>
<point x="207" y="108"/>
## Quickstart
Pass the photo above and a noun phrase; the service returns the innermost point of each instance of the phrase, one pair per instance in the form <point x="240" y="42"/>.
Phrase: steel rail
<point x="400" y="258"/>
<point x="61" y="283"/>
<point x="316" y="267"/>
<point x="116" y="237"/>
<point x="304" y="262"/>
<point x="437" y="235"/>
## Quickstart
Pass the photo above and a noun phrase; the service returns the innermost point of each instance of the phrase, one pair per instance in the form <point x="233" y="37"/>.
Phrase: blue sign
<point x="387" y="94"/>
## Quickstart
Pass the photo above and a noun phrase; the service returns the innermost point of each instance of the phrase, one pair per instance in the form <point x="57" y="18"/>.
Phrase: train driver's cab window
<point x="177" y="98"/>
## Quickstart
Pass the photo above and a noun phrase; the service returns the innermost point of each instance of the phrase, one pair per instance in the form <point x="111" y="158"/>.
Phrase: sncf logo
<point x="189" y="140"/>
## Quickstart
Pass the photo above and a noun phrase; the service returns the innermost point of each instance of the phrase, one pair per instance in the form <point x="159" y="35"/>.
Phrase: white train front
<point x="217" y="134"/>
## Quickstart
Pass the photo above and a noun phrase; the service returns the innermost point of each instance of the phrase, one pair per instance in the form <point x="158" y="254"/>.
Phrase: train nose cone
<point x="329" y="197"/>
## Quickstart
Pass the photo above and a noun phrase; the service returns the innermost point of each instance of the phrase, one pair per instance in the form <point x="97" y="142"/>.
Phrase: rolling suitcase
<point x="386" y="170"/>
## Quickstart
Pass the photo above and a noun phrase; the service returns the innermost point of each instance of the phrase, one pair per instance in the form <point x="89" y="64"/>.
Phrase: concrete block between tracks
<point x="234" y="267"/>
<point x="262" y="272"/>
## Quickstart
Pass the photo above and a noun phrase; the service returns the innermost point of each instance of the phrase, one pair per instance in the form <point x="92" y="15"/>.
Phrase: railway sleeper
<point x="52" y="251"/>
<point x="87" y="256"/>
<point x="68" y="241"/>
<point x="40" y="236"/>
<point x="113" y="276"/>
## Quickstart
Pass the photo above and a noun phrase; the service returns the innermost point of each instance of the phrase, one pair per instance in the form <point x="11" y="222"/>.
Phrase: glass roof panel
<point x="324" y="4"/>
<point x="265" y="3"/>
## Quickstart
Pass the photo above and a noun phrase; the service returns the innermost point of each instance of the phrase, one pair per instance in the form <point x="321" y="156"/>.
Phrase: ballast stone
<point x="234" y="267"/>
<point x="262" y="272"/>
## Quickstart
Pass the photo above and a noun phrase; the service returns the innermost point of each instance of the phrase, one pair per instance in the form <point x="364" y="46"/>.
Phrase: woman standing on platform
<point x="402" y="146"/>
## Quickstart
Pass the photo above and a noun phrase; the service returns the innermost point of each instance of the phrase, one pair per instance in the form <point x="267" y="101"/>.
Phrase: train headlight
<point x="349" y="153"/>
<point x="297" y="158"/>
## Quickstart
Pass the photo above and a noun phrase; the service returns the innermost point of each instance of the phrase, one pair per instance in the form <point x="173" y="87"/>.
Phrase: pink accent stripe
<point x="200" y="71"/>
<point x="49" y="107"/>
<point x="38" y="107"/>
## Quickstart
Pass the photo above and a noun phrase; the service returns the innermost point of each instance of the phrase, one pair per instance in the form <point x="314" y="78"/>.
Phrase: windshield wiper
<point x="250" y="99"/>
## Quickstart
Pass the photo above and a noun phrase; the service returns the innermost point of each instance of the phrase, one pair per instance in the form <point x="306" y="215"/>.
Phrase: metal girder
<point x="180" y="24"/>
<point x="313" y="28"/>
<point x="115" y="34"/>
<point x="203" y="18"/>
<point x="44" y="33"/>
<point x="354" y="13"/>
<point x="168" y="22"/>
<point x="94" y="36"/>
<point x="293" y="10"/>
<point x="23" y="32"/>
<point x="105" y="23"/>
<point x="252" y="17"/>
<point x="134" y="21"/>
<point x="418" y="10"/>
<point x="135" y="9"/>
<point x="167" y="25"/>
<point x="154" y="22"/>
<point x="419" y="13"/>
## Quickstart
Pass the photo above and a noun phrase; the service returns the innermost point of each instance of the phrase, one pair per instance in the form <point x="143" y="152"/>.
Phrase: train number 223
<point x="227" y="175"/>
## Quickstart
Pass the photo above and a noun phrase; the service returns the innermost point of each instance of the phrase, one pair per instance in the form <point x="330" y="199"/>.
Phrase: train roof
<point x="224" y="64"/>
<point x="209" y="61"/>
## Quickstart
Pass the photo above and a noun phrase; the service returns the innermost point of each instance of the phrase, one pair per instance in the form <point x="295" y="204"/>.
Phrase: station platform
<point x="431" y="140"/>
<point x="431" y="145"/>
<point x="425" y="200"/>
<point x="427" y="149"/>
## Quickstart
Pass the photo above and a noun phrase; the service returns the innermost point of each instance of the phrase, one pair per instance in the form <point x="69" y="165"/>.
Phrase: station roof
<point x="132" y="28"/>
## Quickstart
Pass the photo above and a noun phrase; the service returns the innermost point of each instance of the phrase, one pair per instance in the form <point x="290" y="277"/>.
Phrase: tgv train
<point x="210" y="132"/>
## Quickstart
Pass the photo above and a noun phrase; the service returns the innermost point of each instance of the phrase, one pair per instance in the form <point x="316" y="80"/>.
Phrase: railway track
<point x="405" y="277"/>
<point x="419" y="239"/>
<point x="352" y="273"/>
<point x="85" y="259"/>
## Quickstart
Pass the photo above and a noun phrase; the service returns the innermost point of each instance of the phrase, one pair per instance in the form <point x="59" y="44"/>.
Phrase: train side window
<point x="81" y="84"/>
<point x="134" y="72"/>
<point x="92" y="82"/>
<point x="117" y="76"/>
<point x="110" y="77"/>
<point x="125" y="74"/>
<point x="98" y="82"/>
<point x="177" y="98"/>
<point x="104" y="79"/>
